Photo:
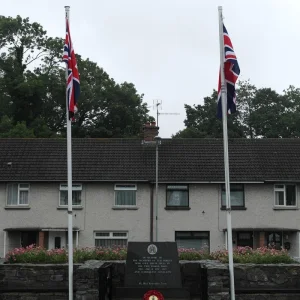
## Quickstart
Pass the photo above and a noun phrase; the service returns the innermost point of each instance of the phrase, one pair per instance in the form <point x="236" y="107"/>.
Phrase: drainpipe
<point x="158" y="140"/>
<point x="4" y="246"/>
<point x="77" y="238"/>
<point x="151" y="213"/>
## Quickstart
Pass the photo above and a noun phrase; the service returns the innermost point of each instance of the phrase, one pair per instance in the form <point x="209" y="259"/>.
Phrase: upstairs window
<point x="177" y="196"/>
<point x="76" y="195"/>
<point x="285" y="195"/>
<point x="17" y="194"/>
<point x="237" y="196"/>
<point x="125" y="194"/>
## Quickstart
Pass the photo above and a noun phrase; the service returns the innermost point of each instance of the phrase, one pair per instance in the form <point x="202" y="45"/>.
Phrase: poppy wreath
<point x="153" y="293"/>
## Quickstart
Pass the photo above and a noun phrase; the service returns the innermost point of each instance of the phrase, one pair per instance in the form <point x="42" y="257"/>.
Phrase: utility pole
<point x="158" y="142"/>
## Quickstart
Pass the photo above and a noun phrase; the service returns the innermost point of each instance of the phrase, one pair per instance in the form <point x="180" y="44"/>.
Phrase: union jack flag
<point x="232" y="72"/>
<point x="73" y="87"/>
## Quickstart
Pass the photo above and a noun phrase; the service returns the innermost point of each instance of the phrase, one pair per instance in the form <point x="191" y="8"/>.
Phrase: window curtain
<point x="76" y="198"/>
<point x="198" y="244"/>
<point x="236" y="195"/>
<point x="108" y="243"/>
<point x="63" y="198"/>
<point x="291" y="195"/>
<point x="12" y="194"/>
<point x="177" y="198"/>
<point x="23" y="197"/>
<point x="125" y="197"/>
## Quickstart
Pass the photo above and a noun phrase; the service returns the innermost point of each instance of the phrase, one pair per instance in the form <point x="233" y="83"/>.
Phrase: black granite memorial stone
<point x="153" y="265"/>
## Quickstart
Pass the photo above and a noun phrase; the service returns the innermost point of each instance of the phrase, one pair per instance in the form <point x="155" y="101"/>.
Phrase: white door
<point x="57" y="239"/>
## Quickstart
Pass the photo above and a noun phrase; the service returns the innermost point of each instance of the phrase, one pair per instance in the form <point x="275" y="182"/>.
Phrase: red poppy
<point x="152" y="293"/>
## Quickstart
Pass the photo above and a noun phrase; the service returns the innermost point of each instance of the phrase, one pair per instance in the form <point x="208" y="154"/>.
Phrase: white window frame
<point x="283" y="189"/>
<point x="193" y="235"/>
<point x="232" y="190"/>
<point x="125" y="187"/>
<point x="109" y="235"/>
<point x="180" y="188"/>
<point x="19" y="190"/>
<point x="75" y="187"/>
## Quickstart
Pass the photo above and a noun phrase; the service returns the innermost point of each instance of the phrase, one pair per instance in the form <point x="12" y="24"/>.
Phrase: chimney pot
<point x="150" y="131"/>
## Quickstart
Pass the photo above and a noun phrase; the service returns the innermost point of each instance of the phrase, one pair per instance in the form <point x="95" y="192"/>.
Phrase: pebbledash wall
<point x="98" y="213"/>
<point x="205" y="280"/>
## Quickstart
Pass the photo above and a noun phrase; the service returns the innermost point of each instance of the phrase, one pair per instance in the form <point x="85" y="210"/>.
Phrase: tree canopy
<point x="33" y="89"/>
<point x="261" y="113"/>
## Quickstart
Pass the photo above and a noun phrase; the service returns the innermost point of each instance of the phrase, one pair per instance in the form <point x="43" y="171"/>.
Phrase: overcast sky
<point x="169" y="49"/>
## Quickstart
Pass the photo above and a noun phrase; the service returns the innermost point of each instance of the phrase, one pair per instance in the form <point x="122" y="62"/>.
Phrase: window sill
<point x="17" y="207"/>
<point x="66" y="208"/>
<point x="177" y="208"/>
<point x="125" y="208"/>
<point x="235" y="208"/>
<point x="285" y="208"/>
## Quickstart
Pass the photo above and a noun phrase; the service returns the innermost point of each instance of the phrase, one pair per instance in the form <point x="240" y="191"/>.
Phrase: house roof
<point x="180" y="160"/>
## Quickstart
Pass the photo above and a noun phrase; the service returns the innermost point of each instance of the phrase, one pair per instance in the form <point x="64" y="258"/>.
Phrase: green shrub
<point x="244" y="255"/>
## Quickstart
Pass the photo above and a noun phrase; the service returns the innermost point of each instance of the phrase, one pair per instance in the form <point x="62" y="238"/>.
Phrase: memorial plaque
<point x="152" y="265"/>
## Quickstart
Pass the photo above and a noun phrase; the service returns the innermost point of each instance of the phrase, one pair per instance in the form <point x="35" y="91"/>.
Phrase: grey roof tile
<point x="182" y="160"/>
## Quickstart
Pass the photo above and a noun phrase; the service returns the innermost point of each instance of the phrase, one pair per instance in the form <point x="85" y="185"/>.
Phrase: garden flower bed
<point x="262" y="255"/>
<point x="35" y="255"/>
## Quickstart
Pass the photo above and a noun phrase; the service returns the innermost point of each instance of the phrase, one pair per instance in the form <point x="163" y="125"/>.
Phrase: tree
<point x="261" y="113"/>
<point x="33" y="87"/>
<point x="202" y="121"/>
<point x="245" y="95"/>
<point x="267" y="112"/>
<point x="107" y="109"/>
<point x="291" y="115"/>
<point x="19" y="130"/>
<point x="21" y="44"/>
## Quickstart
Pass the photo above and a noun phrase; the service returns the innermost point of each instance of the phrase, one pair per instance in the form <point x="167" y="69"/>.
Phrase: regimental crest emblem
<point x="152" y="249"/>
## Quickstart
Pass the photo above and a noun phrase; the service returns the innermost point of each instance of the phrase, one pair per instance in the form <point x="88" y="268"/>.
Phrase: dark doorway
<point x="57" y="242"/>
<point x="274" y="240"/>
<point x="245" y="239"/>
<point x="28" y="238"/>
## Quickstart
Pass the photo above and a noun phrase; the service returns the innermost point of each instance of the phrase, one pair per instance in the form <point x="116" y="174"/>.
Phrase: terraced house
<point x="114" y="192"/>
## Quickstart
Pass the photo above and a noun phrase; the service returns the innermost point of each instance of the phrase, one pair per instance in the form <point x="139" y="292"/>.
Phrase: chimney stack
<point x="150" y="130"/>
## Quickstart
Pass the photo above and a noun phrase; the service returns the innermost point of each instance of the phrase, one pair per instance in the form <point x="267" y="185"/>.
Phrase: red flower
<point x="149" y="294"/>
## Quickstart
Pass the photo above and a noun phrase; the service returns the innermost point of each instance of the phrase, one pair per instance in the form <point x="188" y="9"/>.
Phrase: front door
<point x="245" y="239"/>
<point x="28" y="238"/>
<point x="57" y="239"/>
<point x="274" y="240"/>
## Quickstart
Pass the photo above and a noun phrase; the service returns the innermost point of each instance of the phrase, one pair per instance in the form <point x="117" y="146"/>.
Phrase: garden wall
<point x="206" y="280"/>
<point x="48" y="282"/>
<point x="281" y="281"/>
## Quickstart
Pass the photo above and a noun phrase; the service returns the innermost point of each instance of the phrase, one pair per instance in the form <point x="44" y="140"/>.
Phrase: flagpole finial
<point x="220" y="9"/>
<point x="67" y="10"/>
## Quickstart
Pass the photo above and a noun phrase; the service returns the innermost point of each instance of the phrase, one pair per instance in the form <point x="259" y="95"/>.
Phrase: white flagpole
<point x="69" y="156"/>
<point x="226" y="159"/>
